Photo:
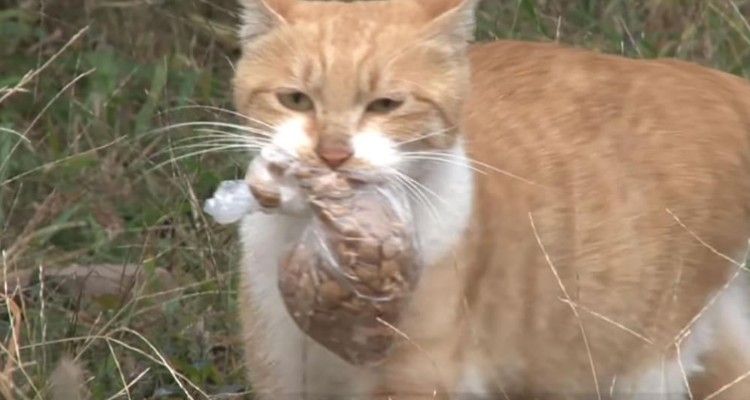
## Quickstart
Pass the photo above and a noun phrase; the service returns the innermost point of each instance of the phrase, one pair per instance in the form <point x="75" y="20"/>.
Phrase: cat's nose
<point x="334" y="155"/>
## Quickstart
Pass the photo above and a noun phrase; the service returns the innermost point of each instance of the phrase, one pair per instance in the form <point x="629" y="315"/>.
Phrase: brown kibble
<point x="357" y="264"/>
<point x="327" y="217"/>
<point x="332" y="292"/>
<point x="369" y="250"/>
<point x="303" y="173"/>
<point x="390" y="268"/>
<point x="343" y="248"/>
<point x="366" y="273"/>
<point x="392" y="247"/>
<point x="337" y="210"/>
<point x="349" y="259"/>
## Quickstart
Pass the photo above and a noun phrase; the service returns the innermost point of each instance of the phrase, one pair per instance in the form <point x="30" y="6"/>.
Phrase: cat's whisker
<point x="409" y="184"/>
<point x="214" y="141"/>
<point x="214" y="134"/>
<point x="416" y="196"/>
<point x="222" y="145"/>
<point x="196" y="153"/>
<point x="447" y="161"/>
<point x="263" y="139"/>
<point x="473" y="162"/>
<point x="209" y="139"/>
<point x="214" y="149"/>
<point x="241" y="128"/>
<point x="224" y="110"/>
<point x="424" y="188"/>
<point x="211" y="124"/>
<point x="423" y="137"/>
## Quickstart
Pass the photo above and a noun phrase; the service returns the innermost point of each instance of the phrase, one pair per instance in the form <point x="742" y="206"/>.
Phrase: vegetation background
<point x="108" y="262"/>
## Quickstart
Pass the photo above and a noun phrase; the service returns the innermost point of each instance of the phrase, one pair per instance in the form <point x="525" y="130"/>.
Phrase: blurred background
<point x="111" y="272"/>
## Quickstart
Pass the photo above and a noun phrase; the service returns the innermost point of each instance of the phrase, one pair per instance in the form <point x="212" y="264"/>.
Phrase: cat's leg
<point x="663" y="380"/>
<point x="726" y="366"/>
<point x="282" y="363"/>
<point x="714" y="355"/>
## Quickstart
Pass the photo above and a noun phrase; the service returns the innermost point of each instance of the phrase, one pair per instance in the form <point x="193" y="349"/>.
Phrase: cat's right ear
<point x="261" y="16"/>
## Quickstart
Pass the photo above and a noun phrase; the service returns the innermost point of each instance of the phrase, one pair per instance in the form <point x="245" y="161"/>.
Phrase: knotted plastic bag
<point x="349" y="278"/>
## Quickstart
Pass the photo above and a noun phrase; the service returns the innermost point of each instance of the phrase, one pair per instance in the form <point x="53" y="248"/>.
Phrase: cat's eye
<point x="384" y="105"/>
<point x="296" y="101"/>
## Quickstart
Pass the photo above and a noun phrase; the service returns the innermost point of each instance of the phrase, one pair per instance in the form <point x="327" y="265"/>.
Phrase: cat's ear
<point x="261" y="16"/>
<point x="453" y="20"/>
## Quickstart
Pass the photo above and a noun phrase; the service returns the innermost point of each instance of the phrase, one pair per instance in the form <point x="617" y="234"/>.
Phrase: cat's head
<point x="355" y="86"/>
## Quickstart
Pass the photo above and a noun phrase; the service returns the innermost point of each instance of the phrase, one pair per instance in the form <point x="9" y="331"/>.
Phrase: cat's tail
<point x="68" y="381"/>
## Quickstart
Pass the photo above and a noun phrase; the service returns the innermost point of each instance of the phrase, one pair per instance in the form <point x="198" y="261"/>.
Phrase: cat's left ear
<point x="453" y="20"/>
<point x="261" y="16"/>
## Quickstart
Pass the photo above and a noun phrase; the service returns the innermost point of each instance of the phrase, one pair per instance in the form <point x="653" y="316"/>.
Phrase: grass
<point x="79" y="143"/>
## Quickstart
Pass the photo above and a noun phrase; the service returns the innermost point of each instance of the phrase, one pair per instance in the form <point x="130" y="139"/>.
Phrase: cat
<point x="583" y="217"/>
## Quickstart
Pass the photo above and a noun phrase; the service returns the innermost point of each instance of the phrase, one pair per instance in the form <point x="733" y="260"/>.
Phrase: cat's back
<point x="604" y="153"/>
<point x="537" y="108"/>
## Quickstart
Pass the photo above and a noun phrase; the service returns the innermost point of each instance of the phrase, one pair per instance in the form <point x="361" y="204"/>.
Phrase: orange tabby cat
<point x="583" y="216"/>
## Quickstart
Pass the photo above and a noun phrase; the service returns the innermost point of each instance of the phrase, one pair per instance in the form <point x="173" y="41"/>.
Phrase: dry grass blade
<point x="129" y="385"/>
<point x="13" y="350"/>
<point x="703" y="242"/>
<point x="50" y="207"/>
<point x="125" y="384"/>
<point x="416" y="346"/>
<point x="34" y="73"/>
<point x="685" y="380"/>
<point x="741" y="266"/>
<point x="163" y="361"/>
<point x="686" y="330"/>
<point x="609" y="321"/>
<point x="159" y="359"/>
<point x="61" y="160"/>
<point x="53" y="99"/>
<point x="570" y="303"/>
<point x="728" y="386"/>
<point x="739" y="29"/>
<point x="16" y="133"/>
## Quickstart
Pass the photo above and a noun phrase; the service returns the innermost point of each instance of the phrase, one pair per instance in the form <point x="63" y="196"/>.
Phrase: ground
<point x="107" y="257"/>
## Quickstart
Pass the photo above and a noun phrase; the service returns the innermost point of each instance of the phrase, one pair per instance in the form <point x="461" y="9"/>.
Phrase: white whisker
<point x="423" y="137"/>
<point x="209" y="124"/>
<point x="447" y="161"/>
<point x="214" y="136"/>
<point x="197" y="153"/>
<point x="224" y="110"/>
<point x="411" y="186"/>
<point x="424" y="188"/>
<point x="218" y="145"/>
<point x="235" y="135"/>
<point x="454" y="157"/>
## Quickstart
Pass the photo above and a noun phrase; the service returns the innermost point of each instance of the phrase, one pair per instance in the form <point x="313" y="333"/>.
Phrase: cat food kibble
<point x="353" y="270"/>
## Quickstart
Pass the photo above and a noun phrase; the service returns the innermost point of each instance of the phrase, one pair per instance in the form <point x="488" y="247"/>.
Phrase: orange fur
<point x="608" y="166"/>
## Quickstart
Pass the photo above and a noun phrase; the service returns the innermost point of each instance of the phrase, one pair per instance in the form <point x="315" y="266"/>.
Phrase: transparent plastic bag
<point x="267" y="187"/>
<point x="350" y="277"/>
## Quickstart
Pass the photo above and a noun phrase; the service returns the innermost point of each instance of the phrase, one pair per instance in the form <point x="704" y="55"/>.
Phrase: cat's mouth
<point x="356" y="170"/>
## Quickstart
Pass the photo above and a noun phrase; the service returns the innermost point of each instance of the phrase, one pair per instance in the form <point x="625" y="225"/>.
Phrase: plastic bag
<point x="351" y="275"/>
<point x="354" y="270"/>
<point x="267" y="187"/>
<point x="231" y="202"/>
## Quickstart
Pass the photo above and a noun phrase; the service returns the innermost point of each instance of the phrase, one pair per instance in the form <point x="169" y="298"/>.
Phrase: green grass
<point x="78" y="183"/>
